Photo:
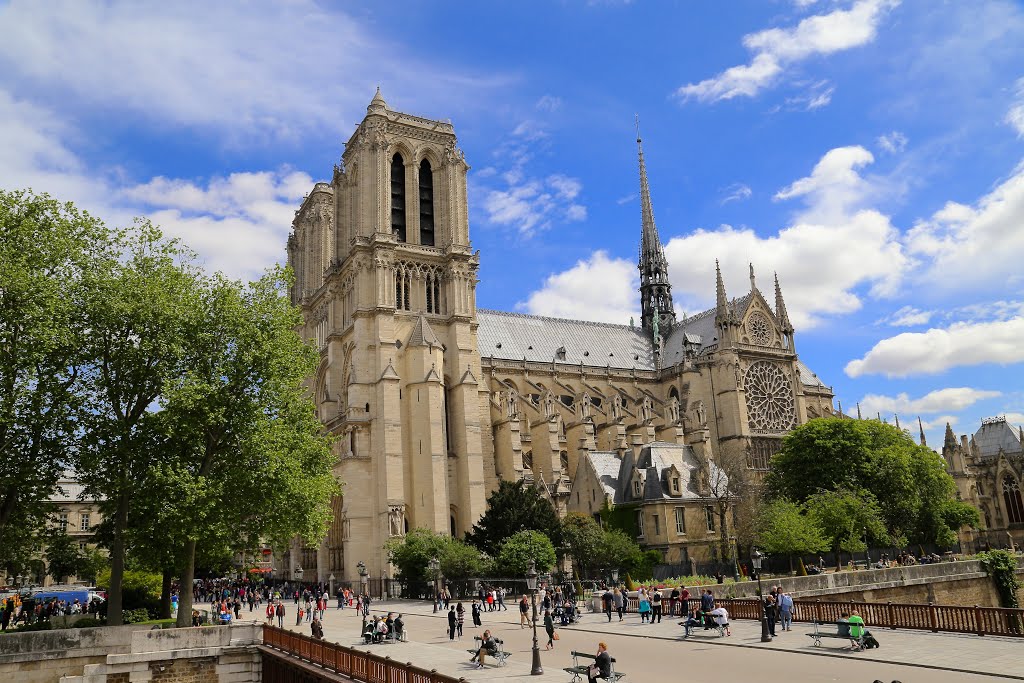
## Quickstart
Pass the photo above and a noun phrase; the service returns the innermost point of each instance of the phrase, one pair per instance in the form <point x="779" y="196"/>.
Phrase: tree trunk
<point x="165" y="595"/>
<point x="188" y="572"/>
<point x="115" y="599"/>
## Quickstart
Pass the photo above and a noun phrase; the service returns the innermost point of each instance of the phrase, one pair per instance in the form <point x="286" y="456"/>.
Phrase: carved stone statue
<point x="396" y="519"/>
<point x="584" y="407"/>
<point x="702" y="414"/>
<point x="616" y="407"/>
<point x="513" y="404"/>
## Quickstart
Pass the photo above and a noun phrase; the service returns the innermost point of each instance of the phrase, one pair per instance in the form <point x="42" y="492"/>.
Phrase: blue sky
<point x="868" y="151"/>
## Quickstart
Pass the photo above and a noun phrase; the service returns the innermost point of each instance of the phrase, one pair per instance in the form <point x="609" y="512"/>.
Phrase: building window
<point x="675" y="485"/>
<point x="680" y="521"/>
<point x="761" y="450"/>
<point x="83" y="522"/>
<point x="657" y="526"/>
<point x="82" y="545"/>
<point x="639" y="522"/>
<point x="62" y="522"/>
<point x="710" y="513"/>
<point x="398" y="197"/>
<point x="433" y="287"/>
<point x="426" y="204"/>
<point x="1014" y="505"/>
<point x="563" y="459"/>
<point x="636" y="488"/>
<point x="528" y="460"/>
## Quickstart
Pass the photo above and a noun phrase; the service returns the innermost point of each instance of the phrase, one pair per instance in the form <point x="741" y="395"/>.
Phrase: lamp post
<point x="756" y="557"/>
<point x="330" y="585"/>
<point x="435" y="567"/>
<point x="867" y="553"/>
<point x="298" y="575"/>
<point x="531" y="583"/>
<point x="361" y="568"/>
<point x="383" y="586"/>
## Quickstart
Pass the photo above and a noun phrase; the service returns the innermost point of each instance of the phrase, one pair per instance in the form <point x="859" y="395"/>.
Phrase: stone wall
<point x="125" y="654"/>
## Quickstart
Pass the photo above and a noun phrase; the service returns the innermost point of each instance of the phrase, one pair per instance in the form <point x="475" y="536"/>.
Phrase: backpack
<point x="870" y="642"/>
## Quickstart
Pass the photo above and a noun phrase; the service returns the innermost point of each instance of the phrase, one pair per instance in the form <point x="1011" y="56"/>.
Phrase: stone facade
<point x="76" y="515"/>
<point x="988" y="468"/>
<point x="434" y="401"/>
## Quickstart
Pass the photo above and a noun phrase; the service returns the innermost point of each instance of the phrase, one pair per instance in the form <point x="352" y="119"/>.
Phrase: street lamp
<point x="867" y="553"/>
<point x="435" y="567"/>
<point x="756" y="557"/>
<point x="361" y="568"/>
<point x="383" y="586"/>
<point x="531" y="583"/>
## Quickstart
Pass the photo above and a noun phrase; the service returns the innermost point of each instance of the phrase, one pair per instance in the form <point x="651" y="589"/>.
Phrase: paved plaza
<point x="656" y="652"/>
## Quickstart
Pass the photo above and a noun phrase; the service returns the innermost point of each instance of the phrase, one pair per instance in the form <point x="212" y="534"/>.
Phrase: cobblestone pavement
<point x="654" y="653"/>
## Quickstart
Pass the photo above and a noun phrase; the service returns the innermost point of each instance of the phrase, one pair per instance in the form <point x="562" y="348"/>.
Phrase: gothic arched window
<point x="1012" y="499"/>
<point x="426" y="204"/>
<point x="398" y="197"/>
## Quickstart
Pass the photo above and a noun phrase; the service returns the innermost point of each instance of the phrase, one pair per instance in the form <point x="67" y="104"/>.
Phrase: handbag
<point x="555" y="636"/>
<point x="593" y="671"/>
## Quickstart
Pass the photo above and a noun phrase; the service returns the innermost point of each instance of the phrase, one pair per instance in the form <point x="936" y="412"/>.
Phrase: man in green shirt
<point x="856" y="630"/>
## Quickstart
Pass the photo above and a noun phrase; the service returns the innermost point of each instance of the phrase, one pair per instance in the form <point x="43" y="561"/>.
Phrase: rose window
<point x="759" y="329"/>
<point x="770" y="404"/>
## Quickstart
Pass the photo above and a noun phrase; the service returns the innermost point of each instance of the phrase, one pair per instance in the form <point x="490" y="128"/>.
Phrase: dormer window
<point x="675" y="485"/>
<point x="636" y="488"/>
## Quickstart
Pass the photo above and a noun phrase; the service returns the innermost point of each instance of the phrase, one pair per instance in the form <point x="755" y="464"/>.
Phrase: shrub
<point x="136" y="616"/>
<point x="87" y="622"/>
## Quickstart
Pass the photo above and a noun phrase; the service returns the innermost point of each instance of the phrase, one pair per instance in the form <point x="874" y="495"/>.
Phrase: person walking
<point x="460" y="612"/>
<point x="620" y="602"/>
<point x="656" y="605"/>
<point x="786" y="611"/>
<point x="644" y="607"/>
<point x="607" y="599"/>
<point x="769" y="611"/>
<point x="279" y="611"/>
<point x="673" y="599"/>
<point x="475" y="609"/>
<point x="549" y="626"/>
<point x="501" y="599"/>
<point x="524" y="613"/>
<point x="453" y="620"/>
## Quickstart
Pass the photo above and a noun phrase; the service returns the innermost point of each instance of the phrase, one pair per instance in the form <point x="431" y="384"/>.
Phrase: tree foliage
<point x="515" y="553"/>
<point x="914" y="494"/>
<point x="784" y="529"/>
<point x="582" y="537"/>
<point x="511" y="508"/>
<point x="63" y="558"/>
<point x="45" y="250"/>
<point x="847" y="520"/>
<point x="412" y="553"/>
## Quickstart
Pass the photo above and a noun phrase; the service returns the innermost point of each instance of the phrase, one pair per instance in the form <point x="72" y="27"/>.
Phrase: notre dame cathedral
<point x="434" y="401"/>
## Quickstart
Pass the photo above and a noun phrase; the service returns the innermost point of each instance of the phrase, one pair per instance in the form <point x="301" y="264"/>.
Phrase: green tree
<point x="459" y="560"/>
<point x="582" y="536"/>
<point x="511" y="508"/>
<point x="411" y="555"/>
<point x="248" y="462"/>
<point x="784" y="529"/>
<point x="63" y="558"/>
<point x="516" y="551"/>
<point x="141" y="313"/>
<point x="846" y="520"/>
<point x="93" y="561"/>
<point x="616" y="550"/>
<point x="45" y="249"/>
<point x="907" y="481"/>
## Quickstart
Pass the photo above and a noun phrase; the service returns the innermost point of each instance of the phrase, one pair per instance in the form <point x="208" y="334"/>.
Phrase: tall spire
<point x="655" y="289"/>
<point x="780" y="308"/>
<point x="950" y="440"/>
<point x="721" y="302"/>
<point x="858" y="411"/>
<point x="920" y="428"/>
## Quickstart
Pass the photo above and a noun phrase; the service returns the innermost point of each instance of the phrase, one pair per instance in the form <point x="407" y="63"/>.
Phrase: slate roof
<point x="995" y="435"/>
<point x="606" y="466"/>
<point x="515" y="336"/>
<point x="808" y="378"/>
<point x="655" y="459"/>
<point x="69" y="491"/>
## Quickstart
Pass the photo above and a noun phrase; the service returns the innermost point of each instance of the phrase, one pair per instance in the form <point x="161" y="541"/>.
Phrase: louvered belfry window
<point x="398" y="197"/>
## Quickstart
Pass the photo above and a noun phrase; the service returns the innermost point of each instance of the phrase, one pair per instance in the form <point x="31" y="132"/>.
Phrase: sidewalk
<point x="644" y="651"/>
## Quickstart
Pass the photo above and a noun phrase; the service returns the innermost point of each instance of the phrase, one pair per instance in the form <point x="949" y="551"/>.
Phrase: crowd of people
<point x="14" y="610"/>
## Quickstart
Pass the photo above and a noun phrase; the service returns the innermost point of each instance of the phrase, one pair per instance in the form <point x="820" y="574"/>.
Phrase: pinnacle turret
<point x="950" y="440"/>
<point x="721" y="302"/>
<point x="780" y="308"/>
<point x="920" y="428"/>
<point x="655" y="288"/>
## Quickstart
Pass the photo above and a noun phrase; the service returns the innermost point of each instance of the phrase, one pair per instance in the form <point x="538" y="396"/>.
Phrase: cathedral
<point x="433" y="401"/>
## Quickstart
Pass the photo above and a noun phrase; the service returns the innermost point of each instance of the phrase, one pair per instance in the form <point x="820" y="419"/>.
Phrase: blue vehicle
<point x="68" y="596"/>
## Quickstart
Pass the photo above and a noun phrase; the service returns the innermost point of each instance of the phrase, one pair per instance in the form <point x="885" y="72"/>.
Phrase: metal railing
<point x="355" y="664"/>
<point x="982" y="621"/>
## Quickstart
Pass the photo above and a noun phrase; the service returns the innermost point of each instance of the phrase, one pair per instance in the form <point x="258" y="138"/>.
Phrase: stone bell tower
<point x="386" y="279"/>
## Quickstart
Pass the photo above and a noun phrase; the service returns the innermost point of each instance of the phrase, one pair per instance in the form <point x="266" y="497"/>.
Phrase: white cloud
<point x="626" y="199"/>
<point x="834" y="185"/>
<point x="1015" y="116"/>
<point x="939" y="349"/>
<point x="959" y="237"/>
<point x="736" y="192"/>
<point x="528" y="203"/>
<point x="940" y="422"/>
<point x="893" y="142"/>
<point x="549" y="103"/>
<point x="597" y="288"/>
<point x="247" y="70"/>
<point x="952" y="399"/>
<point x="777" y="49"/>
<point x="908" y="316"/>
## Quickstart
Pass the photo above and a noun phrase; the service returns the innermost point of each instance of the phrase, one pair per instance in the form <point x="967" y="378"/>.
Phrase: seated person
<point x="721" y="617"/>
<point x="843" y="625"/>
<point x="368" y="632"/>
<point x="380" y="631"/>
<point x="856" y="625"/>
<point x="602" y="666"/>
<point x="693" y="620"/>
<point x="390" y="621"/>
<point x="399" y="627"/>
<point x="488" y="646"/>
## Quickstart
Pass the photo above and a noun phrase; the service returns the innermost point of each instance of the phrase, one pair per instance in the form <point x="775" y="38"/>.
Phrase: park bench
<point x="499" y="654"/>
<point x="709" y="625"/>
<point x="579" y="670"/>
<point x="819" y="634"/>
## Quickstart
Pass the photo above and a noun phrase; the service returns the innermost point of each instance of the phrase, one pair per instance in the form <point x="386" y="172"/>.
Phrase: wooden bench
<point x="500" y="654"/>
<point x="818" y="635"/>
<point x="580" y="671"/>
